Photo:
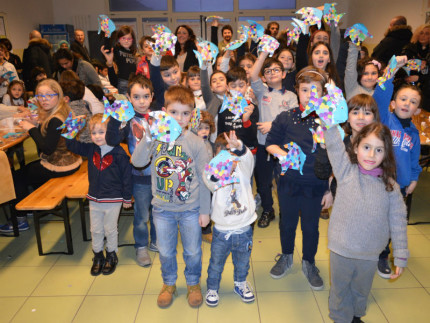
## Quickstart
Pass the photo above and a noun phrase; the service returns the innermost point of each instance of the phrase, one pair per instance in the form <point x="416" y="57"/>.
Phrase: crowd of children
<point x="364" y="176"/>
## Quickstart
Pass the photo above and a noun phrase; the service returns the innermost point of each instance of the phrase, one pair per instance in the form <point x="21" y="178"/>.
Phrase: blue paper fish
<point x="311" y="16"/>
<point x="106" y="25"/>
<point x="73" y="126"/>
<point x="221" y="167"/>
<point x="295" y="158"/>
<point x="164" y="128"/>
<point x="297" y="23"/>
<point x="121" y="110"/>
<point x="160" y="28"/>
<point x="208" y="52"/>
<point x="235" y="102"/>
<point x="256" y="31"/>
<point x="413" y="65"/>
<point x="358" y="33"/>
<point x="243" y="33"/>
<point x="330" y="13"/>
<point x="8" y="76"/>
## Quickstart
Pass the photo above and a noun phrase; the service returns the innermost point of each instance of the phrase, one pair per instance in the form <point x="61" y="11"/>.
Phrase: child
<point x="367" y="211"/>
<point x="233" y="211"/>
<point x="321" y="57"/>
<point x="5" y="67"/>
<point x="102" y="71"/>
<point x="272" y="100"/>
<point x="301" y="194"/>
<point x="286" y="57"/>
<point x="195" y="84"/>
<point x="140" y="93"/>
<point x="180" y="198"/>
<point x="16" y="95"/>
<point x="213" y="89"/>
<point x="247" y="62"/>
<point x="109" y="175"/>
<point x="147" y="51"/>
<point x="360" y="77"/>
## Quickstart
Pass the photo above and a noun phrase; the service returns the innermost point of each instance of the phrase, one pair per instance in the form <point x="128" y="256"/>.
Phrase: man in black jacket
<point x="78" y="46"/>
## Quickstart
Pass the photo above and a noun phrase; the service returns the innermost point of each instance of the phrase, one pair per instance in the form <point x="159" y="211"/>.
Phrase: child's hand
<point x="327" y="200"/>
<point x="126" y="205"/>
<point x="401" y="61"/>
<point x="264" y="127"/>
<point x="108" y="55"/>
<point x="204" y="220"/>
<point x="227" y="53"/>
<point x="398" y="272"/>
<point x="410" y="189"/>
<point x="252" y="95"/>
<point x="233" y="142"/>
<point x="26" y="125"/>
<point x="248" y="111"/>
<point x="215" y="23"/>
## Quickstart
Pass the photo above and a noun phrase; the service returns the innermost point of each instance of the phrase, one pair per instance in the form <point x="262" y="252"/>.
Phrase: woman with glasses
<point x="55" y="160"/>
<point x="7" y="72"/>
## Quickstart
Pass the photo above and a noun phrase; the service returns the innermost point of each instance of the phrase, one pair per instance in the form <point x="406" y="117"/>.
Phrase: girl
<point x="5" y="67"/>
<point x="16" y="95"/>
<point x="55" y="160"/>
<point x="360" y="77"/>
<point x="321" y="57"/>
<point x="286" y="57"/>
<point x="184" y="47"/>
<point x="194" y="83"/>
<point x="301" y="194"/>
<point x="367" y="211"/>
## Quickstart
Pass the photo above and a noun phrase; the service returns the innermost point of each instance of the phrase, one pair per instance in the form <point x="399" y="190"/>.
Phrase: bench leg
<point x="83" y="220"/>
<point x="37" y="229"/>
<point x="67" y="228"/>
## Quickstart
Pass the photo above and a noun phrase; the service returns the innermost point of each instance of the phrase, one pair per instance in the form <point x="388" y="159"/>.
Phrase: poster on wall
<point x="2" y="27"/>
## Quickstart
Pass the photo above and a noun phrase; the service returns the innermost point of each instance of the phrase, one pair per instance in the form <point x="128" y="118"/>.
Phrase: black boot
<point x="110" y="263"/>
<point x="266" y="217"/>
<point x="98" y="263"/>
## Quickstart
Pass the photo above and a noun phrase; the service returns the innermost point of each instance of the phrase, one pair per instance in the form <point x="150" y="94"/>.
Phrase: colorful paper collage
<point x="72" y="126"/>
<point x="243" y="33"/>
<point x="256" y="31"/>
<point x="295" y="158"/>
<point x="389" y="72"/>
<point x="8" y="76"/>
<point x="163" y="43"/>
<point x="413" y="65"/>
<point x="235" y="102"/>
<point x="106" y="25"/>
<point x="221" y="167"/>
<point x="268" y="44"/>
<point x="293" y="34"/>
<point x="195" y="118"/>
<point x="358" y="33"/>
<point x="121" y="110"/>
<point x="164" y="128"/>
<point x="311" y="16"/>
<point x="330" y="13"/>
<point x="160" y="28"/>
<point x="208" y="52"/>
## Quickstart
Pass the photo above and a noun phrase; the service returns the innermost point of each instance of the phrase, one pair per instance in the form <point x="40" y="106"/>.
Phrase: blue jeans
<point x="166" y="225"/>
<point x="142" y="213"/>
<point x="240" y="246"/>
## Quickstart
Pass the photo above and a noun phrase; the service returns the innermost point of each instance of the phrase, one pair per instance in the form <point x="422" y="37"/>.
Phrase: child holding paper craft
<point x="367" y="211"/>
<point x="140" y="93"/>
<point x="109" y="176"/>
<point x="147" y="51"/>
<point x="321" y="57"/>
<point x="272" y="100"/>
<point x="233" y="212"/>
<point x="180" y="200"/>
<point x="16" y="95"/>
<point x="286" y="57"/>
<point x="7" y="71"/>
<point x="300" y="191"/>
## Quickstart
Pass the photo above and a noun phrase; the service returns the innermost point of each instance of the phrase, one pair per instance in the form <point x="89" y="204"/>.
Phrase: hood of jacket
<point x="42" y="43"/>
<point x="401" y="32"/>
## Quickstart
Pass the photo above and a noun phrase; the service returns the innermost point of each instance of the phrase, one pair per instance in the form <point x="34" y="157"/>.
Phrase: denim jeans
<point x="240" y="246"/>
<point x="142" y="213"/>
<point x="166" y="225"/>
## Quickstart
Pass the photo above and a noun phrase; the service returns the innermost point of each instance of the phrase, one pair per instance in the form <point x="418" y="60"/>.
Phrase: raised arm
<point x="256" y="68"/>
<point x="337" y="154"/>
<point x="351" y="82"/>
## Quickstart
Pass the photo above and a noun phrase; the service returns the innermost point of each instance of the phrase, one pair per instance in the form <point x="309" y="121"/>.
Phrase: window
<point x="202" y="5"/>
<point x="141" y="5"/>
<point x="266" y="4"/>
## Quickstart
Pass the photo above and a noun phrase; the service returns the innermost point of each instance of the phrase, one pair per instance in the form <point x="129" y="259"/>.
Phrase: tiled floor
<point x="59" y="288"/>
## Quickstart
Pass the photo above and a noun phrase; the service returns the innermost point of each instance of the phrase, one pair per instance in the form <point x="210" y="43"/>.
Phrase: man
<point x="227" y="34"/>
<point x="78" y="45"/>
<point x="396" y="37"/>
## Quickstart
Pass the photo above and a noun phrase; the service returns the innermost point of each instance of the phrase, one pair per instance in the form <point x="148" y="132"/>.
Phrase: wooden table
<point x="11" y="141"/>
<point x="422" y="122"/>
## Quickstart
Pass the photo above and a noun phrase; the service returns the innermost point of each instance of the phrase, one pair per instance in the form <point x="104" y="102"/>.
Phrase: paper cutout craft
<point x="243" y="37"/>
<point x="295" y="158"/>
<point x="293" y="34"/>
<point x="164" y="128"/>
<point x="268" y="44"/>
<point x="235" y="102"/>
<point x="31" y="106"/>
<point x="302" y="28"/>
<point x="208" y="52"/>
<point x="213" y="18"/>
<point x="389" y="72"/>
<point x="106" y="25"/>
<point x="8" y="76"/>
<point x="72" y="126"/>
<point x="121" y="110"/>
<point x="413" y="65"/>
<point x="163" y="43"/>
<point x="358" y="33"/>
<point x="256" y="31"/>
<point x="13" y="134"/>
<point x="330" y="13"/>
<point x="331" y="108"/>
<point x="195" y="118"/>
<point x="221" y="167"/>
<point x="317" y="136"/>
<point x="311" y="16"/>
<point x="160" y="28"/>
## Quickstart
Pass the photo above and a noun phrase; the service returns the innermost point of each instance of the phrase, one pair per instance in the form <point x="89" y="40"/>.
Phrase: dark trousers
<point x="264" y="172"/>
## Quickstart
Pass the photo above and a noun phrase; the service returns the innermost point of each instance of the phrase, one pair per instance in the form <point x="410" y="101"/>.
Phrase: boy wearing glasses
<point x="272" y="100"/>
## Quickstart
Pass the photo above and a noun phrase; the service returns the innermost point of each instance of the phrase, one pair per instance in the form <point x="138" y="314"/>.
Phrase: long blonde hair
<point x="61" y="111"/>
<point x="417" y="32"/>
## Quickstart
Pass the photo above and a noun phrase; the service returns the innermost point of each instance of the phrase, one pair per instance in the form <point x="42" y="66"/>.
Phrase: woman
<point x="184" y="47"/>
<point x="272" y="29"/>
<point x="11" y="57"/>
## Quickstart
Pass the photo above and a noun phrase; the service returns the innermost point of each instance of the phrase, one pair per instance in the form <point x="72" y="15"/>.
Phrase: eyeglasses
<point x="126" y="38"/>
<point x="47" y="97"/>
<point x="271" y="71"/>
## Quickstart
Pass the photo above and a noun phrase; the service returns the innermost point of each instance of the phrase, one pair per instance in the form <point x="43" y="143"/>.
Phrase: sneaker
<point x="207" y="237"/>
<point x="194" y="295"/>
<point x="283" y="263"/>
<point x="265" y="218"/>
<point x="384" y="269"/>
<point x="324" y="214"/>
<point x="8" y="227"/>
<point x="153" y="247"/>
<point x="244" y="290"/>
<point x="142" y="257"/>
<point x="312" y="274"/>
<point x="212" y="297"/>
<point x="165" y="297"/>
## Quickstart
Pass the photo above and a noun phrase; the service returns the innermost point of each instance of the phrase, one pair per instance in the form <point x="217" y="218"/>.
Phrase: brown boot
<point x="166" y="295"/>
<point x="194" y="295"/>
<point x="207" y="237"/>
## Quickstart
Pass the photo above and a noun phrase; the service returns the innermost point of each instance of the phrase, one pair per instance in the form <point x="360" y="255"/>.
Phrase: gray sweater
<point x="364" y="214"/>
<point x="177" y="173"/>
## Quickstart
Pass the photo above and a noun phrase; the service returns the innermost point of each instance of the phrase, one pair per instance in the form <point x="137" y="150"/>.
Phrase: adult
<point x="396" y="37"/>
<point x="272" y="29"/>
<point x="15" y="60"/>
<point x="5" y="67"/>
<point x="37" y="54"/>
<point x="184" y="47"/>
<point x="64" y="44"/>
<point x="67" y="61"/>
<point x="77" y="46"/>
<point x="227" y="34"/>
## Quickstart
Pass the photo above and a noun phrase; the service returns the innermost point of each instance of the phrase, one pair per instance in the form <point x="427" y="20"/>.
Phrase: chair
<point x="7" y="190"/>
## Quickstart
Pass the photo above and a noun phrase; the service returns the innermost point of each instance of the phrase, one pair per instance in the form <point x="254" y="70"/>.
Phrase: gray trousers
<point x="104" y="222"/>
<point x="351" y="281"/>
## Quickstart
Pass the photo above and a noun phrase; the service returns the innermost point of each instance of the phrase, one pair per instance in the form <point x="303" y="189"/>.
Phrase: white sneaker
<point x="212" y="297"/>
<point x="244" y="290"/>
<point x="142" y="257"/>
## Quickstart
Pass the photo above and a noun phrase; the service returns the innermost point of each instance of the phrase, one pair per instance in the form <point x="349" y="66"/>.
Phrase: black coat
<point x="393" y="43"/>
<point x="37" y="54"/>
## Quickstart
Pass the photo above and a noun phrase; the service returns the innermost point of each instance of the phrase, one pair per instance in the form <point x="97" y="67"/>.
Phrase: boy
<point x="272" y="100"/>
<point x="102" y="71"/>
<point x="109" y="175"/>
<point x="140" y="93"/>
<point x="180" y="198"/>
<point x="143" y="64"/>
<point x="233" y="212"/>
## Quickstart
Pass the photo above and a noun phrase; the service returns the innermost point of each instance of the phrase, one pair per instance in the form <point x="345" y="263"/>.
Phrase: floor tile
<point x="49" y="309"/>
<point x="422" y="228"/>
<point x="420" y="269"/>
<point x="155" y="281"/>
<point x="82" y="256"/>
<point x="20" y="281"/>
<point x="419" y="246"/>
<point x="265" y="249"/>
<point x="28" y="255"/>
<point x="10" y="306"/>
<point x="406" y="280"/>
<point x="108" y="309"/>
